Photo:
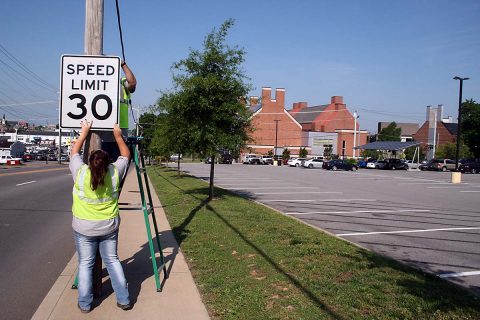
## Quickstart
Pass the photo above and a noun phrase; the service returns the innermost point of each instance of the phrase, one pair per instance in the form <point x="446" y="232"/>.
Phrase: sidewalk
<point x="179" y="299"/>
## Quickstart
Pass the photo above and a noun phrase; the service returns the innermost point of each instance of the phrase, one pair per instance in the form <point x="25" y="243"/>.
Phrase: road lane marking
<point x="21" y="184"/>
<point x="458" y="274"/>
<point x="268" y="187"/>
<point x="321" y="200"/>
<point x="471" y="191"/>
<point x="451" y="187"/>
<point x="32" y="171"/>
<point x="404" y="231"/>
<point x="420" y="183"/>
<point x="359" y="211"/>
<point x="302" y="192"/>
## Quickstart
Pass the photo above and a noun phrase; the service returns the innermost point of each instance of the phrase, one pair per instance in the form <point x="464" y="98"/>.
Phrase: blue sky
<point x="388" y="59"/>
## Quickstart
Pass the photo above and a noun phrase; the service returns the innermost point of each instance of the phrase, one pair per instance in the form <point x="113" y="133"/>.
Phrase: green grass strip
<point x="251" y="262"/>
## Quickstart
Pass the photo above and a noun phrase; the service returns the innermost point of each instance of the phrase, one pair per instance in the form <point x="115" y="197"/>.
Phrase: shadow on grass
<point x="437" y="292"/>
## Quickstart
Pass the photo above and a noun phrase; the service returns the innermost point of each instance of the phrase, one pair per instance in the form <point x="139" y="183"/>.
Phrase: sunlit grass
<point x="251" y="262"/>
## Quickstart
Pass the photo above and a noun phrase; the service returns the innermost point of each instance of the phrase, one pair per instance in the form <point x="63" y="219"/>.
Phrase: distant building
<point x="274" y="126"/>
<point x="408" y="129"/>
<point x="330" y="125"/>
<point x="315" y="128"/>
<point x="434" y="132"/>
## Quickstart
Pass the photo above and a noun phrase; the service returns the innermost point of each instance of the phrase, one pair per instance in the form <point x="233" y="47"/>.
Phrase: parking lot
<point x="419" y="218"/>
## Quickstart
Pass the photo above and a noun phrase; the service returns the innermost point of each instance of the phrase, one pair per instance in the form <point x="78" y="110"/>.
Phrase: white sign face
<point x="90" y="90"/>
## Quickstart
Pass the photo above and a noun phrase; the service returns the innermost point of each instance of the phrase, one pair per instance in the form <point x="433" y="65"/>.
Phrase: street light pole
<point x="457" y="153"/>
<point x="276" y="139"/>
<point x="355" y="116"/>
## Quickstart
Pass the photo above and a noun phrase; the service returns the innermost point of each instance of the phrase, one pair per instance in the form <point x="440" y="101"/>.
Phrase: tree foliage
<point x="147" y="127"/>
<point x="448" y="151"/>
<point x="303" y="153"/>
<point x="390" y="133"/>
<point x="205" y="111"/>
<point x="470" y="130"/>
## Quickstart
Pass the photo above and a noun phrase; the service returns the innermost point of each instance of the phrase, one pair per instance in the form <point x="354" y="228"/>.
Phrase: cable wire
<point x="120" y="30"/>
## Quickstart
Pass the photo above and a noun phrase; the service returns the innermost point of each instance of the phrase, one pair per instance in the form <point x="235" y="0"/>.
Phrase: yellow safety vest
<point x="124" y="101"/>
<point x="101" y="204"/>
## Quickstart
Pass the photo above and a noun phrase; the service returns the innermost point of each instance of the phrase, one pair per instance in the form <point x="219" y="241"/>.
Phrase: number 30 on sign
<point x="90" y="90"/>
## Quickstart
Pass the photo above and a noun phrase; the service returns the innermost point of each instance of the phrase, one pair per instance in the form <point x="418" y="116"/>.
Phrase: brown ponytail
<point x="98" y="162"/>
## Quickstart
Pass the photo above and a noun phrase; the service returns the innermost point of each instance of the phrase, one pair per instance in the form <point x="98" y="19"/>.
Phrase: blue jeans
<point x="87" y="249"/>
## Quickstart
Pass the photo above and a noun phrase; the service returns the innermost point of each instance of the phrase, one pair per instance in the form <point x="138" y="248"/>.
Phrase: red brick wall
<point x="289" y="133"/>
<point x="348" y="138"/>
<point x="335" y="116"/>
<point x="443" y="135"/>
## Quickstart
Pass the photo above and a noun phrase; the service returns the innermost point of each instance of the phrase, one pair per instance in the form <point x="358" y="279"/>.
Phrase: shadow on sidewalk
<point x="138" y="268"/>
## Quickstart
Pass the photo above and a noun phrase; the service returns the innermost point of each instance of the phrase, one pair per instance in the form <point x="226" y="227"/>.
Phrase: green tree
<point x="147" y="127"/>
<point x="448" y="151"/>
<point x="327" y="152"/>
<point x="470" y="126"/>
<point x="303" y="152"/>
<point x="209" y="87"/>
<point x="285" y="155"/>
<point x="371" y="154"/>
<point x="410" y="151"/>
<point x="390" y="133"/>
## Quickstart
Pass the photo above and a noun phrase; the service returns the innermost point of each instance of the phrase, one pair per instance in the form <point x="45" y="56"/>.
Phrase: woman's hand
<point x="85" y="127"/>
<point x="117" y="132"/>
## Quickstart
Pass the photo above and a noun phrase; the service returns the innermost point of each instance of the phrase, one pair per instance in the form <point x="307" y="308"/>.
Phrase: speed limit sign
<point x="90" y="90"/>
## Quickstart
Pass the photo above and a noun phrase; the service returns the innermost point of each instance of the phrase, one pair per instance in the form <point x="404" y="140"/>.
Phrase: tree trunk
<point x="178" y="163"/>
<point x="212" y="173"/>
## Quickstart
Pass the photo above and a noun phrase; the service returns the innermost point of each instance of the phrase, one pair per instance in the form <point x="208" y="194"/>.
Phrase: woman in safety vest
<point x="95" y="216"/>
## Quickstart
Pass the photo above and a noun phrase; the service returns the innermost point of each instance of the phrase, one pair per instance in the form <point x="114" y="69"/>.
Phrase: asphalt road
<point x="35" y="234"/>
<point x="419" y="218"/>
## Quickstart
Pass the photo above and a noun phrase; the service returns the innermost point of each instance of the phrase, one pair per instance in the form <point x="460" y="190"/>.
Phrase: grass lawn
<point x="251" y="262"/>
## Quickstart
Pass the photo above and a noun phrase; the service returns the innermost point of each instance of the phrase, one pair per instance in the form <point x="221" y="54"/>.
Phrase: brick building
<point x="315" y="128"/>
<point x="435" y="131"/>
<point x="331" y="118"/>
<point x="274" y="126"/>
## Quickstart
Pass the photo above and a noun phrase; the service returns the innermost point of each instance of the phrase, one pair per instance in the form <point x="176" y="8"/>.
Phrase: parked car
<point x="443" y="164"/>
<point x="252" y="159"/>
<point x="371" y="164"/>
<point x="313" y="163"/>
<point x="9" y="160"/>
<point x="339" y="165"/>
<point x="27" y="157"/>
<point x="296" y="162"/>
<point x="175" y="157"/>
<point x="412" y="165"/>
<point x="52" y="157"/>
<point x="226" y="158"/>
<point x="41" y="157"/>
<point x="395" y="164"/>
<point x="379" y="164"/>
<point x="266" y="160"/>
<point x="362" y="163"/>
<point x="469" y="165"/>
<point x="425" y="166"/>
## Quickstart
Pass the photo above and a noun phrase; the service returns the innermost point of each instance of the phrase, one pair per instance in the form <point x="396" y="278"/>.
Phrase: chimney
<point x="266" y="94"/>
<point x="253" y="100"/>
<point x="280" y="97"/>
<point x="337" y="100"/>
<point x="440" y="112"/>
<point x="428" y="113"/>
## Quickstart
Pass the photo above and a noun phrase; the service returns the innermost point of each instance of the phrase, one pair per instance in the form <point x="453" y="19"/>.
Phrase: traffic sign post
<point x="90" y="87"/>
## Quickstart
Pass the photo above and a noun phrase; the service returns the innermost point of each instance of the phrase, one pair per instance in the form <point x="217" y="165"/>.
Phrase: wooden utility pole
<point x="94" y="46"/>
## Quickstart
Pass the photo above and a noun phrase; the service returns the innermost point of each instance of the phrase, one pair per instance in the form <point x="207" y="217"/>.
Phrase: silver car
<point x="313" y="163"/>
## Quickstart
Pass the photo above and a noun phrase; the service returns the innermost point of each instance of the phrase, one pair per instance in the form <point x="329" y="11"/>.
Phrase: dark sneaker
<point x="124" y="306"/>
<point x="83" y="310"/>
